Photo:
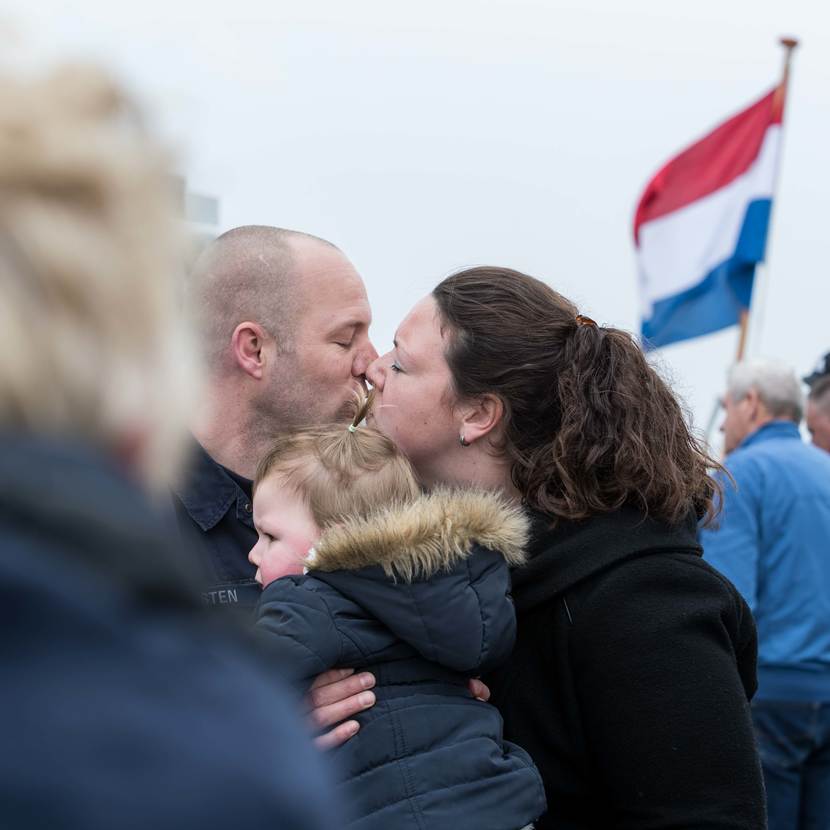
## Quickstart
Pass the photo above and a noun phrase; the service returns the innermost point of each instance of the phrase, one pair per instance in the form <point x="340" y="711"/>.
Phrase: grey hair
<point x="776" y="383"/>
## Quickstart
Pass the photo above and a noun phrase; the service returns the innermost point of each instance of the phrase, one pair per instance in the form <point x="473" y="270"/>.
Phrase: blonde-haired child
<point x="414" y="588"/>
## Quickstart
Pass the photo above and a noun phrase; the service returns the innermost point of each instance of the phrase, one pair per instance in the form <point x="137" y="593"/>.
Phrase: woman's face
<point x="414" y="397"/>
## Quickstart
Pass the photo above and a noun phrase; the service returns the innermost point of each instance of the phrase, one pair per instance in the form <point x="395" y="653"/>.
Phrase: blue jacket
<point x="122" y="703"/>
<point x="774" y="544"/>
<point x="408" y="595"/>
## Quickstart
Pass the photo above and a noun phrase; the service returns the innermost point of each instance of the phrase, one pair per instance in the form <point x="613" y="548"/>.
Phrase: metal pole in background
<point x="789" y="44"/>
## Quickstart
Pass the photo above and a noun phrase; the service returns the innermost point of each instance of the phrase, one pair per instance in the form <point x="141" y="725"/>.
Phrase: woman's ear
<point x="481" y="417"/>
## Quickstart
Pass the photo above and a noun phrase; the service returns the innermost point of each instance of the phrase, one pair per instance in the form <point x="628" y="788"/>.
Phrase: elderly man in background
<point x="818" y="413"/>
<point x="121" y="705"/>
<point x="821" y="371"/>
<point x="817" y="417"/>
<point x="773" y="543"/>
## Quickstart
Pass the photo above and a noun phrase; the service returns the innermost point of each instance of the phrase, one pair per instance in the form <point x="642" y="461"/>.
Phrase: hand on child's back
<point x="338" y="694"/>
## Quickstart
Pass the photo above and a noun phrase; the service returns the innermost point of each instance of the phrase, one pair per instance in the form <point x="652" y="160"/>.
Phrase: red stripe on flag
<point x="710" y="163"/>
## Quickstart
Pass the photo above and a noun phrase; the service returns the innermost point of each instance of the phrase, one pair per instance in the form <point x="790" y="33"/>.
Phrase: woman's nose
<point x="375" y="374"/>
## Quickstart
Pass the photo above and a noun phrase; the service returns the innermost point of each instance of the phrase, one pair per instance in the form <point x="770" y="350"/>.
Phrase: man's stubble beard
<point x="290" y="403"/>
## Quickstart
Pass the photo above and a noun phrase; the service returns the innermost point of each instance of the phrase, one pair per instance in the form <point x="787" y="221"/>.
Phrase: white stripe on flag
<point x="678" y="250"/>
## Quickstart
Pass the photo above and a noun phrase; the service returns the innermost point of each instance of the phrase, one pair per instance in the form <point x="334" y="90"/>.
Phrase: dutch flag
<point x="701" y="226"/>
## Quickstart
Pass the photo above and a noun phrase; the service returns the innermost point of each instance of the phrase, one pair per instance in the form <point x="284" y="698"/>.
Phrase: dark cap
<point x="821" y="370"/>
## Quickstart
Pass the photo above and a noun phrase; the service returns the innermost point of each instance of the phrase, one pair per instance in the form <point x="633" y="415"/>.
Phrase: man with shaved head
<point x="283" y="321"/>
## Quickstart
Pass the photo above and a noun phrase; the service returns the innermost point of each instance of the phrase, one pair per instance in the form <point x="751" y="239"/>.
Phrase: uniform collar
<point x="208" y="491"/>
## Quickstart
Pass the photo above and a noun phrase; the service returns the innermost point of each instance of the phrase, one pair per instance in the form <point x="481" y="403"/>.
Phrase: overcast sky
<point x="425" y="137"/>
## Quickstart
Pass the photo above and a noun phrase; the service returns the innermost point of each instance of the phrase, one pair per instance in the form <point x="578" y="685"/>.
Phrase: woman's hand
<point x="340" y="693"/>
<point x="335" y="696"/>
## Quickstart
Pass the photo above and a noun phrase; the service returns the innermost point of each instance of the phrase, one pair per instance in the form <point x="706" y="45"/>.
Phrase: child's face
<point x="286" y="531"/>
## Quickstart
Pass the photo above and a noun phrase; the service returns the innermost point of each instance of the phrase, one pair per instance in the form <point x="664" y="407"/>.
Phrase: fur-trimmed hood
<point x="434" y="572"/>
<point x="418" y="539"/>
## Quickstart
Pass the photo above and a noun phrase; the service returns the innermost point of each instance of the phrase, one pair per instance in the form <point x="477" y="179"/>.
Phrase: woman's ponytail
<point x="589" y="425"/>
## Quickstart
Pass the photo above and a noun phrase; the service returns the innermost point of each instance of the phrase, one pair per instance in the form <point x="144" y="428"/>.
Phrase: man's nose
<point x="363" y="359"/>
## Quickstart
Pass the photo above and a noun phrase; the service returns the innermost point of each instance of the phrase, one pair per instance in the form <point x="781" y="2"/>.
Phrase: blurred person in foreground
<point x="119" y="706"/>
<point x="773" y="543"/>
<point x="818" y="413"/>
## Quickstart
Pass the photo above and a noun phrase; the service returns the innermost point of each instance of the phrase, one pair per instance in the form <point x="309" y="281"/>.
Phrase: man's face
<point x="738" y="422"/>
<point x="316" y="381"/>
<point x="818" y="424"/>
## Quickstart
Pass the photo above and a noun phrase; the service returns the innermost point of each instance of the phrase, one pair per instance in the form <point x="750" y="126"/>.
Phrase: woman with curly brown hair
<point x="634" y="660"/>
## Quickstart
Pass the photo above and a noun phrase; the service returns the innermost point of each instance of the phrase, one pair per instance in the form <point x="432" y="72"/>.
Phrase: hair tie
<point x="352" y="428"/>
<point x="582" y="320"/>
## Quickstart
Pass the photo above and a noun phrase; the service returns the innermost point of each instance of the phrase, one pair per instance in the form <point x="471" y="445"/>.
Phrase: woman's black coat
<point x="630" y="680"/>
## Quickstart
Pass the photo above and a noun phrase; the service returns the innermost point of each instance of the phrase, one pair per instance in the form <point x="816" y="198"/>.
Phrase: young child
<point x="414" y="588"/>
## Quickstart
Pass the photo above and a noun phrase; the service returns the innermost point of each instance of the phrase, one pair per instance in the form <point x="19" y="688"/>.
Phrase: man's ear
<point x="480" y="417"/>
<point x="247" y="344"/>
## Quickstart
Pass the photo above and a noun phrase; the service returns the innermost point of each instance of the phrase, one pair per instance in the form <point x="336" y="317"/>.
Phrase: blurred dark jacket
<point x="419" y="596"/>
<point x="121" y="705"/>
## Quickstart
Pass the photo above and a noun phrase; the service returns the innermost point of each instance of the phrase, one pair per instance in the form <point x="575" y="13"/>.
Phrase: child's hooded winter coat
<point x="419" y="595"/>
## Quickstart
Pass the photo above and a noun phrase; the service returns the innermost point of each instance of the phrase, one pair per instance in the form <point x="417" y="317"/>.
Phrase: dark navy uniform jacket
<point x="215" y="516"/>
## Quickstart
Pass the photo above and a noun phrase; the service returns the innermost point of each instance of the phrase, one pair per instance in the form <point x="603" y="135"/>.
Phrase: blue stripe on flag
<point x="715" y="302"/>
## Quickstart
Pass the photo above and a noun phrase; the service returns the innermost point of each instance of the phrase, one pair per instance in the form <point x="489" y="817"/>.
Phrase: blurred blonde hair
<point x="341" y="471"/>
<point x="90" y="245"/>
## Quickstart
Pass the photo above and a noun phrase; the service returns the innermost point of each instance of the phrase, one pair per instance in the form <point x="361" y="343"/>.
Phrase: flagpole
<point x="744" y="327"/>
<point x="789" y="44"/>
<point x="762" y="279"/>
